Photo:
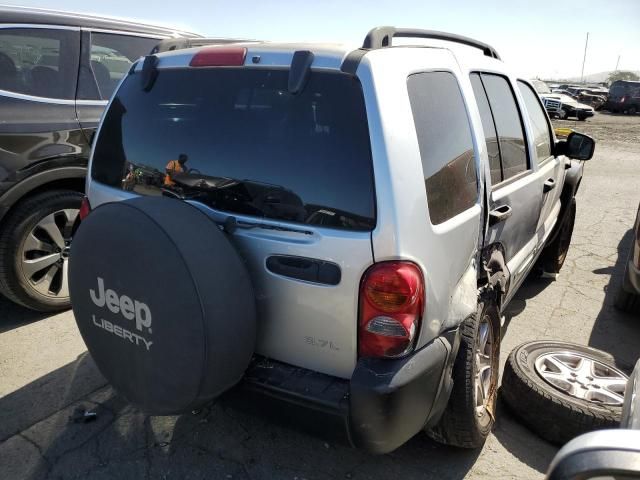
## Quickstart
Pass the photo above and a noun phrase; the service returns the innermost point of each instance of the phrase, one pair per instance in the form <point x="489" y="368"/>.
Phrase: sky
<point x="540" y="38"/>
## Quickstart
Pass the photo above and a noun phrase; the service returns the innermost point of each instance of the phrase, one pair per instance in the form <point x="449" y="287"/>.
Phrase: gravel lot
<point x="46" y="375"/>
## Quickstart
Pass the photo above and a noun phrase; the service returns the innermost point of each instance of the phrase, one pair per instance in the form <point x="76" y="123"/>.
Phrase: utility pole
<point x="584" y="59"/>
<point x="617" y="63"/>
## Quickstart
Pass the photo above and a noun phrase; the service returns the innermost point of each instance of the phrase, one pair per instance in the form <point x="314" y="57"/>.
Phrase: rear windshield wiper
<point x="231" y="224"/>
<point x="248" y="197"/>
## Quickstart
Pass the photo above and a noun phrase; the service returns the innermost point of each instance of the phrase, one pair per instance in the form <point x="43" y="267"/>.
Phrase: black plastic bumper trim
<point x="385" y="403"/>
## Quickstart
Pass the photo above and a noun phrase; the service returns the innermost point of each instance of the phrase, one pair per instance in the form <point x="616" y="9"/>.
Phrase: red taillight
<point x="85" y="208"/>
<point x="219" y="57"/>
<point x="391" y="302"/>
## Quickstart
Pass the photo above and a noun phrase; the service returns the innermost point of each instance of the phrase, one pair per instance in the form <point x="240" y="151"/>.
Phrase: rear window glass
<point x="445" y="142"/>
<point x="238" y="141"/>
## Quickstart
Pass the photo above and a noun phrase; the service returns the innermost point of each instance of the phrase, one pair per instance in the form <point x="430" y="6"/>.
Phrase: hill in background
<point x="592" y="78"/>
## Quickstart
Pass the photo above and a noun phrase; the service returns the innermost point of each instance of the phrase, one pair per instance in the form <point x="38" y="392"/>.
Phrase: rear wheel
<point x="469" y="416"/>
<point x="632" y="110"/>
<point x="34" y="250"/>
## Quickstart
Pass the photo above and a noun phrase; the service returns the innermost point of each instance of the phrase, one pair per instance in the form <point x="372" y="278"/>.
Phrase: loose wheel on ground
<point x="561" y="390"/>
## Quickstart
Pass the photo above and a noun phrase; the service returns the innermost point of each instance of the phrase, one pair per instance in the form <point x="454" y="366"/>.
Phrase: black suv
<point x="57" y="72"/>
<point x="624" y="96"/>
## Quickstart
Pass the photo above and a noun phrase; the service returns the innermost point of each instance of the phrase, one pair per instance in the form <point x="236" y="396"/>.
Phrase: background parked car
<point x="570" y="106"/>
<point x="624" y="96"/>
<point x="57" y="72"/>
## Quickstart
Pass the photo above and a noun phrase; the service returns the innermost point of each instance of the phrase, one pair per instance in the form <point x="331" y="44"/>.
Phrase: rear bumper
<point x="384" y="404"/>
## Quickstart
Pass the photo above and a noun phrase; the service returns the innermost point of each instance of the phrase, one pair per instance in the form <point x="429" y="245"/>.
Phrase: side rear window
<point x="446" y="145"/>
<point x="110" y="57"/>
<point x="508" y="124"/>
<point x="39" y="62"/>
<point x="236" y="140"/>
<point x="539" y="123"/>
<point x="490" y="135"/>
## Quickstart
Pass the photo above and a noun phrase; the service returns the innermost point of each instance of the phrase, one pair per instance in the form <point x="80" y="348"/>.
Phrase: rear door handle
<point x="499" y="214"/>
<point x="549" y="185"/>
<point x="302" y="268"/>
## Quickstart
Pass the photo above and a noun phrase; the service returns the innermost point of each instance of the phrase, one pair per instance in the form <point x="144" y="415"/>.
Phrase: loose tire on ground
<point x="163" y="301"/>
<point x="554" y="255"/>
<point x="461" y="425"/>
<point x="43" y="289"/>
<point x="553" y="414"/>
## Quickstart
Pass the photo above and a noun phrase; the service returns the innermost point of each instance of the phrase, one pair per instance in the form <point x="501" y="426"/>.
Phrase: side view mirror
<point x="577" y="146"/>
<point x="598" y="455"/>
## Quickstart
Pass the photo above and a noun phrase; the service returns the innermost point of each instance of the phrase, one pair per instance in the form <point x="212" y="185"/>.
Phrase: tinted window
<point x="39" y="62"/>
<point x="446" y="146"/>
<point x="538" y="119"/>
<point x="508" y="125"/>
<point x="111" y="56"/>
<point x="238" y="141"/>
<point x="489" y="129"/>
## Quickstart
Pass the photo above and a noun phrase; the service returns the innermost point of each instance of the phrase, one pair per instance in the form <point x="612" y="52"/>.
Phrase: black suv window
<point x="39" y="62"/>
<point x="539" y="123"/>
<point x="110" y="57"/>
<point x="446" y="146"/>
<point x="508" y="124"/>
<point x="237" y="140"/>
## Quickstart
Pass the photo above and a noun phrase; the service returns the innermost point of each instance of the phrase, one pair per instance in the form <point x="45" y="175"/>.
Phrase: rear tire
<point x="632" y="110"/>
<point x="554" y="255"/>
<point x="23" y="239"/>
<point x="464" y="423"/>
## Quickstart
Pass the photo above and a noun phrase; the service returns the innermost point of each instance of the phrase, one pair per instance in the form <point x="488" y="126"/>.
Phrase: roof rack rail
<point x="381" y="37"/>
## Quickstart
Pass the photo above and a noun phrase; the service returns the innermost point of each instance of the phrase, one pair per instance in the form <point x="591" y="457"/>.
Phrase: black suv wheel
<point x="34" y="250"/>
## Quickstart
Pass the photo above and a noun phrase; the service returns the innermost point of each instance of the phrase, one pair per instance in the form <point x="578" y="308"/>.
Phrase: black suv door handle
<point x="549" y="185"/>
<point x="499" y="214"/>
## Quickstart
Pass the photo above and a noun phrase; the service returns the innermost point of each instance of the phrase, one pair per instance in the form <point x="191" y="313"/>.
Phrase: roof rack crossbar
<point x="381" y="37"/>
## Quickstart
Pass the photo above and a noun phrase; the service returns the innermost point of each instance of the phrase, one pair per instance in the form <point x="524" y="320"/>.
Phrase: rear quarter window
<point x="236" y="140"/>
<point x="446" y="145"/>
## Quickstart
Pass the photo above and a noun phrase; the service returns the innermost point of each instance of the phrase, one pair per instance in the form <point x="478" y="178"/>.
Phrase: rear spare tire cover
<point x="163" y="301"/>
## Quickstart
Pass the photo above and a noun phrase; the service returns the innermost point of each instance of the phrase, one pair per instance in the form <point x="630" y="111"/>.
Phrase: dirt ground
<point x="47" y="378"/>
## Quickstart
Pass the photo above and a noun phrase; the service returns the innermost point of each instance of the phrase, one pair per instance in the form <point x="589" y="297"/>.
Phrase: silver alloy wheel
<point x="582" y="377"/>
<point x="44" y="254"/>
<point x="483" y="371"/>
